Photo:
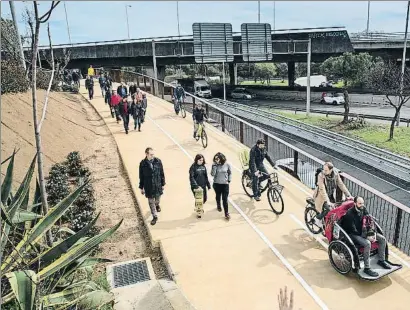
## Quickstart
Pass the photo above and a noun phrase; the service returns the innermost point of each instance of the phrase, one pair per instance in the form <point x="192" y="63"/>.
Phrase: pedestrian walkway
<point x="240" y="264"/>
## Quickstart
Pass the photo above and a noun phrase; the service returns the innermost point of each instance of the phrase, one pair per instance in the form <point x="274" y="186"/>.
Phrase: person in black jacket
<point x="257" y="154"/>
<point x="89" y="85"/>
<point x="132" y="89"/>
<point x="122" y="90"/>
<point x="125" y="110"/>
<point x="352" y="223"/>
<point x="152" y="181"/>
<point x="198" y="115"/>
<point x="198" y="176"/>
<point x="137" y="113"/>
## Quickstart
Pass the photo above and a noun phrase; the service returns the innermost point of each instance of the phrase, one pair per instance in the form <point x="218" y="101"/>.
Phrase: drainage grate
<point x="131" y="273"/>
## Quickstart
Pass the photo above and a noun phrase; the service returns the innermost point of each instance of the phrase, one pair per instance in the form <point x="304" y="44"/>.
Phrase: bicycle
<point x="201" y="134"/>
<point x="180" y="107"/>
<point x="311" y="214"/>
<point x="274" y="192"/>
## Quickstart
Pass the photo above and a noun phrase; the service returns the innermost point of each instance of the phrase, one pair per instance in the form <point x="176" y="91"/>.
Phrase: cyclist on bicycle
<point x="257" y="154"/>
<point x="198" y="115"/>
<point x="179" y="97"/>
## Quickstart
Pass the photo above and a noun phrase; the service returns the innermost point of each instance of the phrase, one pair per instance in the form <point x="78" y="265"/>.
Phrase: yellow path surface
<point x="228" y="265"/>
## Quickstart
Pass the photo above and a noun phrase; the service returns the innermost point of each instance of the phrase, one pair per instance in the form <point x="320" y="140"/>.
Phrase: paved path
<point x="243" y="263"/>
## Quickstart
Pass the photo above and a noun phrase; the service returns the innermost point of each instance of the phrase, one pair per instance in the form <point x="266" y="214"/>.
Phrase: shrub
<point x="13" y="78"/>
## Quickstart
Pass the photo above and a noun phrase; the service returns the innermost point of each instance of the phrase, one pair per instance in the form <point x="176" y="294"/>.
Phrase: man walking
<point x="89" y="85"/>
<point x="152" y="181"/>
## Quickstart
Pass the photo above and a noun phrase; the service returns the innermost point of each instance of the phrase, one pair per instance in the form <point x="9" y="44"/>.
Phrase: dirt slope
<point x="73" y="125"/>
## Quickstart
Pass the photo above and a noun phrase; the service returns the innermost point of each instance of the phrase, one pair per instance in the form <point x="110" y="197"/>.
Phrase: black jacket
<point x="89" y="84"/>
<point x="152" y="178"/>
<point x="133" y="89"/>
<point x="256" y="158"/>
<point x="198" y="176"/>
<point x="136" y="110"/>
<point x="199" y="115"/>
<point x="352" y="221"/>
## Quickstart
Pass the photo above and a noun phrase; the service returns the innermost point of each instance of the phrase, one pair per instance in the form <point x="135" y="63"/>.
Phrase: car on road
<point x="332" y="98"/>
<point x="306" y="171"/>
<point x="242" y="93"/>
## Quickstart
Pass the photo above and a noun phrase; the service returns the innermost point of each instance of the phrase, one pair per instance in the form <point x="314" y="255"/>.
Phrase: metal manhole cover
<point x="130" y="273"/>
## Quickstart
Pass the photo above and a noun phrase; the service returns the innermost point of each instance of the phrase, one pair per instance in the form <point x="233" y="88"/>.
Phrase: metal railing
<point x="393" y="216"/>
<point x="377" y="36"/>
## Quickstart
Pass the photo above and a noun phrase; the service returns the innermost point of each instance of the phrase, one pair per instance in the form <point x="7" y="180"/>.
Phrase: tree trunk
<point x="346" y="106"/>
<point x="40" y="164"/>
<point x="393" y="124"/>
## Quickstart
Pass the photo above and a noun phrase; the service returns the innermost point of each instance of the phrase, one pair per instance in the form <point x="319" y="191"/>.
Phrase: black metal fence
<point x="392" y="216"/>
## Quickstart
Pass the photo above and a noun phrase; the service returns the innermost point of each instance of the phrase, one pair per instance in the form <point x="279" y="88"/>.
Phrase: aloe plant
<point x="49" y="278"/>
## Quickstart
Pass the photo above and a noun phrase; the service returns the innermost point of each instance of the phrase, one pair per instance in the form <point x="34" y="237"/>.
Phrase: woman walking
<point x="198" y="178"/>
<point x="222" y="174"/>
<point x="137" y="112"/>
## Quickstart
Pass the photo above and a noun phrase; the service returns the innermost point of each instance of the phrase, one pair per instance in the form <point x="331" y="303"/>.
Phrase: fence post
<point x="207" y="109"/>
<point x="163" y="91"/>
<point x="266" y="138"/>
<point x="145" y="84"/>
<point x="152" y="87"/>
<point x="138" y="81"/>
<point x="397" y="226"/>
<point x="193" y="103"/>
<point x="223" y="121"/>
<point x="241" y="132"/>
<point x="295" y="162"/>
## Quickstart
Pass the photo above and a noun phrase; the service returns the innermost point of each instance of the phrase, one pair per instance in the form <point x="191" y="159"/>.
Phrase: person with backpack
<point x="102" y="82"/>
<point x="89" y="85"/>
<point x="198" y="116"/>
<point x="179" y="95"/>
<point x="107" y="95"/>
<point x="137" y="113"/>
<point x="125" y="110"/>
<point x="328" y="180"/>
<point x="257" y="155"/>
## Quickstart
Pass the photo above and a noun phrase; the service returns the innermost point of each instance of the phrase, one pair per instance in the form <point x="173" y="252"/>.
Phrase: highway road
<point x="354" y="108"/>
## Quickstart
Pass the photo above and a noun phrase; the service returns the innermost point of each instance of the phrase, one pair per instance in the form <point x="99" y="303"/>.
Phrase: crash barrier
<point x="393" y="216"/>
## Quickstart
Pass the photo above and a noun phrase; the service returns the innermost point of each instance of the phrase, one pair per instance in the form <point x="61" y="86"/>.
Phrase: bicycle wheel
<point x="310" y="216"/>
<point x="247" y="184"/>
<point x="183" y="112"/>
<point x="275" y="200"/>
<point x="204" y="138"/>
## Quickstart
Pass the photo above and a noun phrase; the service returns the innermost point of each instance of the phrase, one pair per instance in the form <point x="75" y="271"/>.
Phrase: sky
<point x="106" y="20"/>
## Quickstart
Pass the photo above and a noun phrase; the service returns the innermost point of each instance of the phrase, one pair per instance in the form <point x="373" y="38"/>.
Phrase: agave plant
<point x="40" y="276"/>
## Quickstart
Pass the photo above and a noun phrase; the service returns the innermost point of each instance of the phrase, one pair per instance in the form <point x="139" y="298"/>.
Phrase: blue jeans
<point x="257" y="180"/>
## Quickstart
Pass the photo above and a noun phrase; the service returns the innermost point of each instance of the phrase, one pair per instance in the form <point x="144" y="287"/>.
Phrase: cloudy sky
<point x="106" y="20"/>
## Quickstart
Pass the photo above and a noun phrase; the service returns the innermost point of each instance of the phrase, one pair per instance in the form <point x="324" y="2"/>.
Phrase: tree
<point x="246" y="70"/>
<point x="35" y="24"/>
<point x="282" y="70"/>
<point x="385" y="78"/>
<point x="301" y="69"/>
<point x="265" y="71"/>
<point x="353" y="69"/>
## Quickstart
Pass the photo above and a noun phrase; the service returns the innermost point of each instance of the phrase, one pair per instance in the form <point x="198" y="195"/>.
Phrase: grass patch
<point x="272" y="83"/>
<point x="373" y="134"/>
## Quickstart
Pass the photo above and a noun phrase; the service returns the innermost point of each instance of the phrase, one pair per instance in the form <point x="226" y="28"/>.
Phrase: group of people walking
<point x="152" y="181"/>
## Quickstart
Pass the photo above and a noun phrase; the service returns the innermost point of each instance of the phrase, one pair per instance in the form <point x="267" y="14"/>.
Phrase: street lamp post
<point x="179" y="32"/>
<point x="259" y="12"/>
<point x="403" y="59"/>
<point x="66" y="19"/>
<point x="128" y="25"/>
<point x="274" y="16"/>
<point x="368" y="17"/>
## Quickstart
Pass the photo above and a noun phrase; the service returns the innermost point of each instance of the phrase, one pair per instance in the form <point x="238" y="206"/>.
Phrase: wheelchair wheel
<point x="310" y="216"/>
<point x="204" y="139"/>
<point x="275" y="200"/>
<point x="247" y="184"/>
<point x="340" y="257"/>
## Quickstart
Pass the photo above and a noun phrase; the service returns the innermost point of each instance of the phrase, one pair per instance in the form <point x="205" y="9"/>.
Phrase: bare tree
<point x="35" y="25"/>
<point x="385" y="78"/>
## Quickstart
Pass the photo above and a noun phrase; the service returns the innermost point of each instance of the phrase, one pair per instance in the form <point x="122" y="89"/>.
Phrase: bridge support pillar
<point x="291" y="73"/>
<point x="159" y="89"/>
<point x="233" y="73"/>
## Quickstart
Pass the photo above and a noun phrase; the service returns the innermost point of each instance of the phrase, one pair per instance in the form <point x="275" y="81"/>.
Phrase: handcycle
<point x="201" y="134"/>
<point x="345" y="255"/>
<point x="274" y="192"/>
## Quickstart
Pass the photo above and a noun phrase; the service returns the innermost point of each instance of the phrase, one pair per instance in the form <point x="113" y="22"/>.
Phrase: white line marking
<point x="306" y="286"/>
<point x="299" y="222"/>
<point x="170" y="117"/>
